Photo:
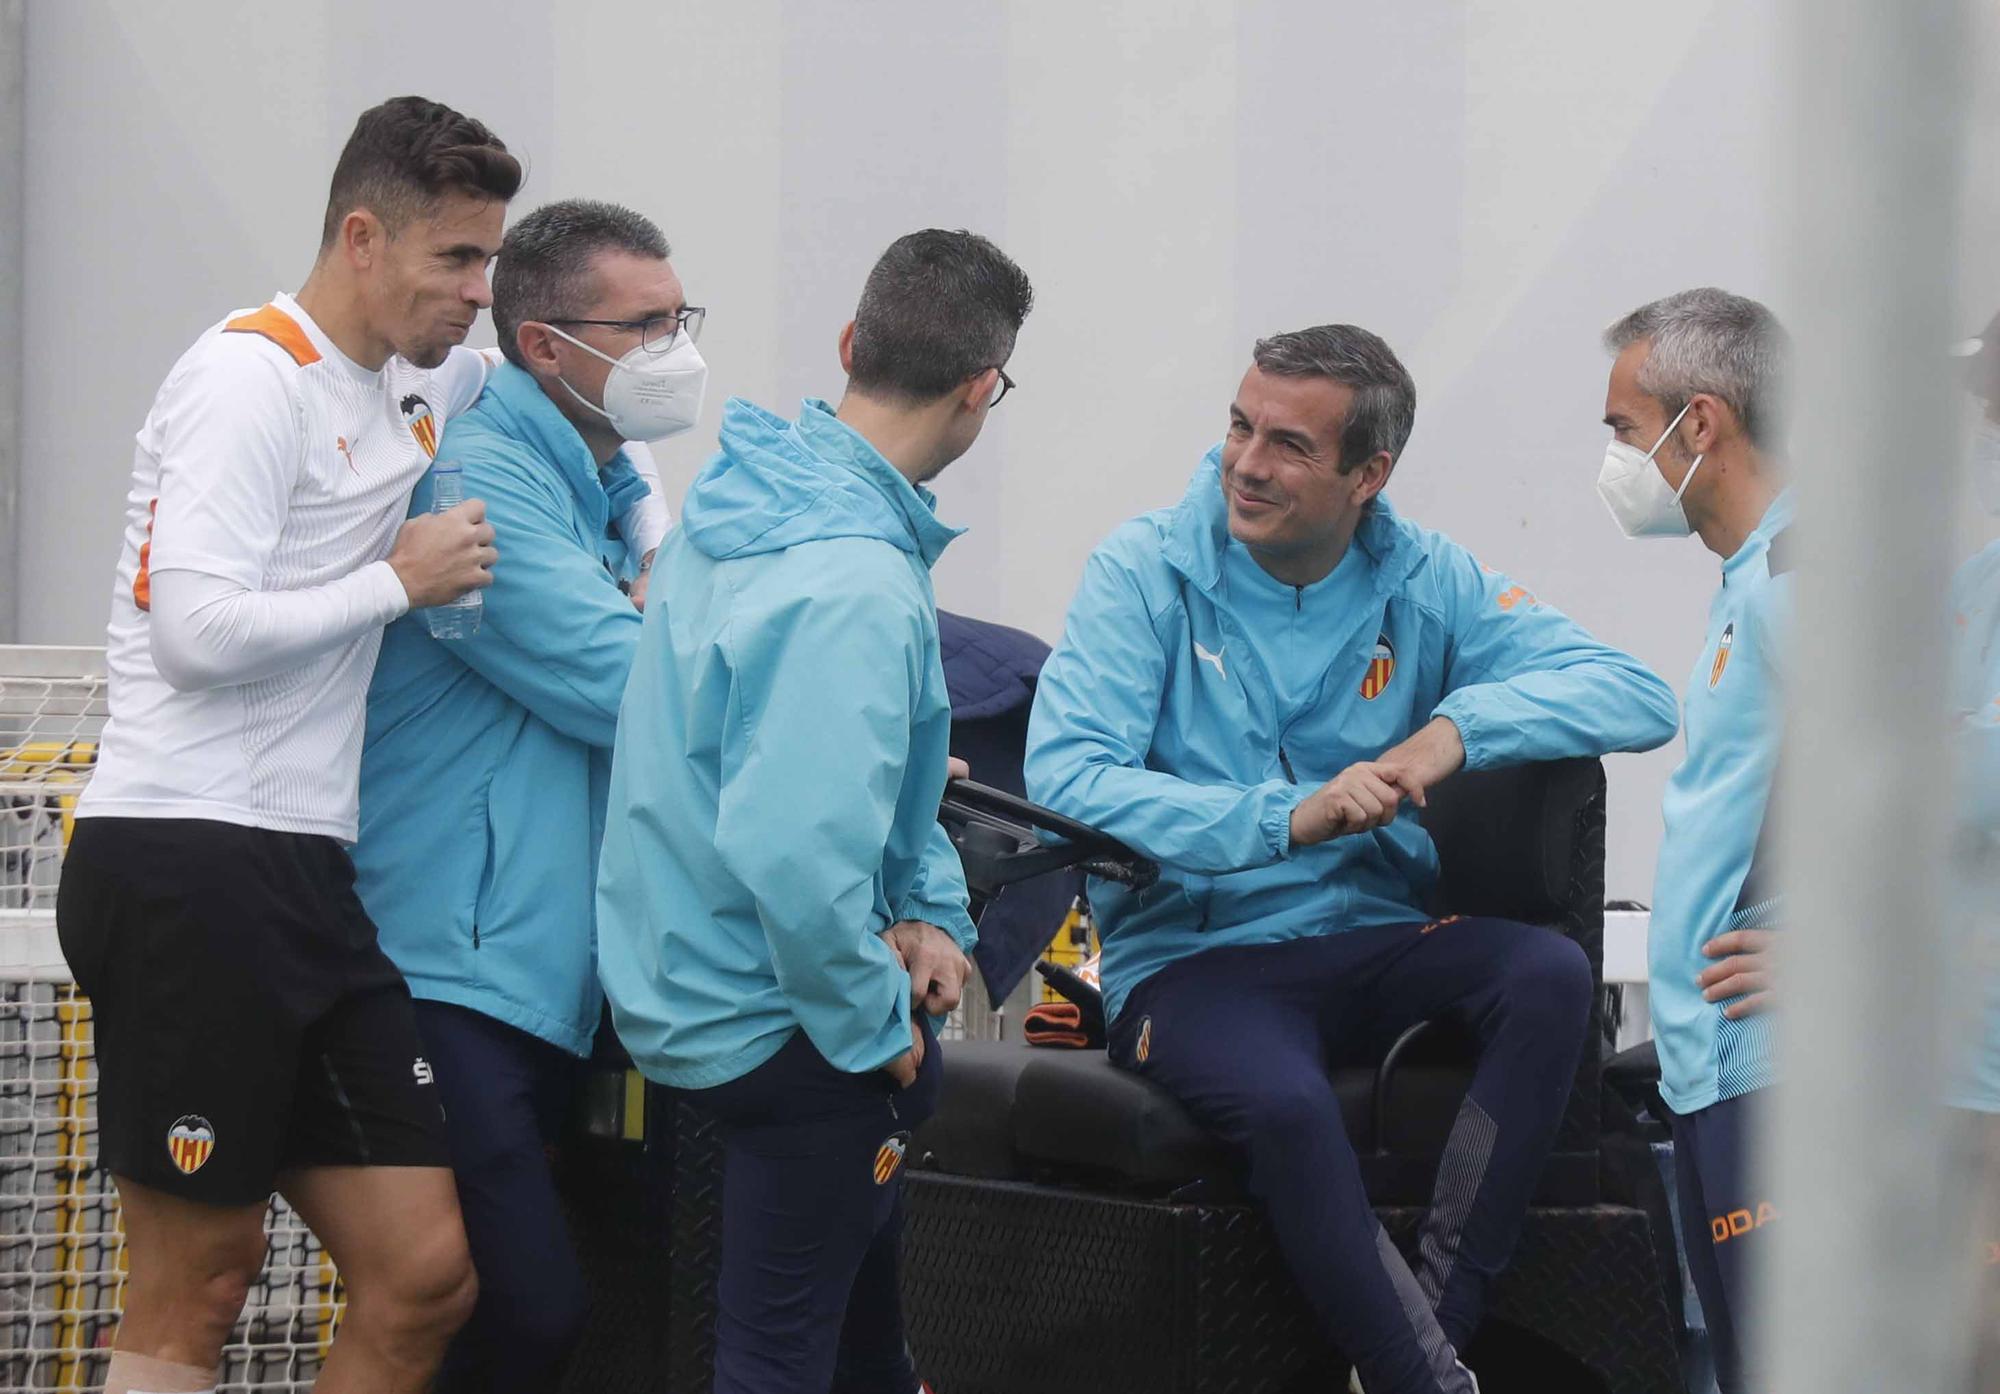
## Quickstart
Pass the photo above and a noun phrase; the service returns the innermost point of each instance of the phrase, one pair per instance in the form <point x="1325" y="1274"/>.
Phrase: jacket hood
<point x="777" y="483"/>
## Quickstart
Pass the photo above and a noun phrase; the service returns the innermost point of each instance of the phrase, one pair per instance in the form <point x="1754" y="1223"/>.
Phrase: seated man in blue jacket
<point x="486" y="759"/>
<point x="777" y="899"/>
<point x="1257" y="688"/>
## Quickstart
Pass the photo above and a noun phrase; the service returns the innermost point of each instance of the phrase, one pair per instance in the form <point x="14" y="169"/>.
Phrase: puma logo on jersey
<point x="1216" y="658"/>
<point x="421" y="1068"/>
<point x="340" y="444"/>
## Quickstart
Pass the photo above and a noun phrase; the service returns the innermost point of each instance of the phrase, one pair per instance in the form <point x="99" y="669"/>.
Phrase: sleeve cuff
<point x="949" y="916"/>
<point x="1276" y="824"/>
<point x="1471" y="730"/>
<point x="382" y="590"/>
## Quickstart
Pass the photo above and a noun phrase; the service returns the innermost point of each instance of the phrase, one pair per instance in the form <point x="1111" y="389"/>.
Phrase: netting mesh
<point x="62" y="1250"/>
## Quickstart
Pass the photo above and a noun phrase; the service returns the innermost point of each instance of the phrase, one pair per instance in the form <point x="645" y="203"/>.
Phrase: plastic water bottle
<point x="458" y="619"/>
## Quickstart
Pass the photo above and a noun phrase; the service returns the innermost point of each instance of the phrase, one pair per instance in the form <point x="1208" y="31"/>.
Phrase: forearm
<point x="211" y="632"/>
<point x="1591" y="709"/>
<point x="1210" y="829"/>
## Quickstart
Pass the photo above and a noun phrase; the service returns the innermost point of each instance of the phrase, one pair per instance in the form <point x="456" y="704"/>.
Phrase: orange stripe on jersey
<point x="280" y="328"/>
<point x="142" y="584"/>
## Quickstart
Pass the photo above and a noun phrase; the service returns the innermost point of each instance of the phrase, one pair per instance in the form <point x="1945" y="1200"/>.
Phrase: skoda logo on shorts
<point x="889" y="1157"/>
<point x="190" y="1142"/>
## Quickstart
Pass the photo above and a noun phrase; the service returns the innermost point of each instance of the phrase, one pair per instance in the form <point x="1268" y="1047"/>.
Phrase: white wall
<point x="1485" y="185"/>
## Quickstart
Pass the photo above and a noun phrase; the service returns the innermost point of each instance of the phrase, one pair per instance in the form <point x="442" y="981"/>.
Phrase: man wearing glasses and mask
<point x="778" y="903"/>
<point x="487" y="757"/>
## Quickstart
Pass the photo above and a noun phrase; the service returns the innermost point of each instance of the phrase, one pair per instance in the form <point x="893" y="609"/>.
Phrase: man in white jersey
<point x="250" y="1035"/>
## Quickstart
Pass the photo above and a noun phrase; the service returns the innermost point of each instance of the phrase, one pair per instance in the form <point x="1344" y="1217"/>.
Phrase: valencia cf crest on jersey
<point x="190" y="1142"/>
<point x="1722" y="653"/>
<point x="889" y="1157"/>
<point x="422" y="423"/>
<point x="1381" y="667"/>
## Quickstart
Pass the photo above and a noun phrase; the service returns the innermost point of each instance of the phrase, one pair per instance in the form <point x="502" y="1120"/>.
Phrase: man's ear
<point x="1708" y="420"/>
<point x="847" y="348"/>
<point x="537" y="345"/>
<point x="361" y="238"/>
<point x="979" y="389"/>
<point x="1373" y="476"/>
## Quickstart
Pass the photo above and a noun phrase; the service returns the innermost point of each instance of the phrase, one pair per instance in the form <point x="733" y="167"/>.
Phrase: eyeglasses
<point x="1006" y="386"/>
<point x="656" y="334"/>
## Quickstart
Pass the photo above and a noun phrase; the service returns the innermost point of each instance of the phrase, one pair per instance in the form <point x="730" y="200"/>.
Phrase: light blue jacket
<point x="484" y="769"/>
<point x="780" y="758"/>
<point x="1157" y="721"/>
<point x="1711" y="874"/>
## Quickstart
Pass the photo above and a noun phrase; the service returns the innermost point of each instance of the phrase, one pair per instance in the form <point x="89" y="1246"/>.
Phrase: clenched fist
<point x="440" y="556"/>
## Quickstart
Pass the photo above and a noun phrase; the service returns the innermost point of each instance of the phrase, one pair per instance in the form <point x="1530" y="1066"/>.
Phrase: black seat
<point x="1525" y="843"/>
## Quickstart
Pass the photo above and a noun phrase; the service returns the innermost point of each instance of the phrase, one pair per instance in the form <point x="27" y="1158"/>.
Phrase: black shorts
<point x="245" y="1020"/>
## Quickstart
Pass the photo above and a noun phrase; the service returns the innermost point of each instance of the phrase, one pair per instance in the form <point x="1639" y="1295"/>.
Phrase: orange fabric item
<point x="1055" y="1024"/>
<point x="280" y="328"/>
<point x="142" y="584"/>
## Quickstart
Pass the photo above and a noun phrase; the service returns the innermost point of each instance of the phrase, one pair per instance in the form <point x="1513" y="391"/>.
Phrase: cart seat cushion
<point x="972" y="1131"/>
<point x="1012" y="1110"/>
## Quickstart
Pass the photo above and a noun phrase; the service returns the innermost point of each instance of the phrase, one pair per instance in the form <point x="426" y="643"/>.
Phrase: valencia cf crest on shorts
<point x="889" y="1157"/>
<point x="422" y="423"/>
<point x="1144" y="1050"/>
<point x="1722" y="653"/>
<point x="190" y="1142"/>
<point x="1381" y="667"/>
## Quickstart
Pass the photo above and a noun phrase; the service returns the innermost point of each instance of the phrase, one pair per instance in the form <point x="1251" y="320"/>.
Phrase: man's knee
<point x="1550" y="975"/>
<point x="188" y="1281"/>
<point x="426" y="1291"/>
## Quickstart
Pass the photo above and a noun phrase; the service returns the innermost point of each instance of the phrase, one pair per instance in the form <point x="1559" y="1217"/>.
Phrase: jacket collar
<point x="518" y="407"/>
<point x="1198" y="532"/>
<point x="837" y="443"/>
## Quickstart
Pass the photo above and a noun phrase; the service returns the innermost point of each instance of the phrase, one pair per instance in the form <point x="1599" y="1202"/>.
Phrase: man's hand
<point x="903" y="1069"/>
<point x="1366" y="794"/>
<point x="440" y="556"/>
<point x="956" y="768"/>
<point x="645" y="579"/>
<point x="1356" y="800"/>
<point x="1742" y="971"/>
<point x="937" y="966"/>
<point x="1429" y="756"/>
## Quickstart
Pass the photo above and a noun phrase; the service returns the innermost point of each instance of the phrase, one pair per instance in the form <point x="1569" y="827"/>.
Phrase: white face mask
<point x="649" y="396"/>
<point x="1986" y="464"/>
<point x="1638" y="495"/>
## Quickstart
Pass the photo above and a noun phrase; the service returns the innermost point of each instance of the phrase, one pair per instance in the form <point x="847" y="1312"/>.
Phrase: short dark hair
<point x="938" y="307"/>
<point x="545" y="271"/>
<point x="406" y="154"/>
<point x="1384" y="409"/>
